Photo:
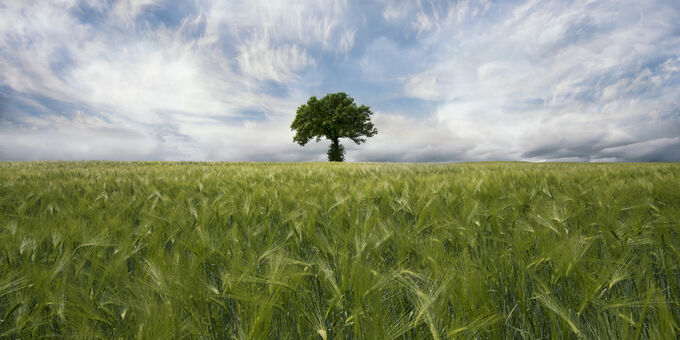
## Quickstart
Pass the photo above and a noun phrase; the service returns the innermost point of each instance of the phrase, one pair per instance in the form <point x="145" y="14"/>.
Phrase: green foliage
<point x="339" y="251"/>
<point x="335" y="116"/>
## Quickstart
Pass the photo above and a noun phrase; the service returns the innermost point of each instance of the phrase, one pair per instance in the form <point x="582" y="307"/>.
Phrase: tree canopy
<point x="334" y="116"/>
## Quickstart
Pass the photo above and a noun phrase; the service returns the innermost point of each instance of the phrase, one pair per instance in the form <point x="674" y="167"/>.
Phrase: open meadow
<point x="158" y="250"/>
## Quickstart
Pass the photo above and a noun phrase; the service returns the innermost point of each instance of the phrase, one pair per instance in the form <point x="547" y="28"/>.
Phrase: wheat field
<point x="157" y="250"/>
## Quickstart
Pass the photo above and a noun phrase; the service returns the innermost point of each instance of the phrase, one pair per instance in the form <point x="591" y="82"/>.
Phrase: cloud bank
<point x="447" y="80"/>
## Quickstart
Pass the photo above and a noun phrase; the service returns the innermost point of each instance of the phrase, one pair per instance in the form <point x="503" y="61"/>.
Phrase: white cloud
<point x="411" y="139"/>
<point x="395" y="10"/>
<point x="140" y="75"/>
<point x="80" y="137"/>
<point x="262" y="61"/>
<point x="546" y="70"/>
<point x="177" y="96"/>
<point x="308" y="23"/>
<point x="346" y="41"/>
<point x="534" y="80"/>
<point x="427" y="85"/>
<point x="422" y="23"/>
<point x="127" y="10"/>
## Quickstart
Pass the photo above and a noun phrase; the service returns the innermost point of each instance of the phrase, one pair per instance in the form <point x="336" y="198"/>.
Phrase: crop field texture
<point x="339" y="251"/>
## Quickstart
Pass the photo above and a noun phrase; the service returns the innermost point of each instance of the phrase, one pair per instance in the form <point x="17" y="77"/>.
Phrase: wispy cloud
<point x="264" y="62"/>
<point x="448" y="80"/>
<point x="555" y="80"/>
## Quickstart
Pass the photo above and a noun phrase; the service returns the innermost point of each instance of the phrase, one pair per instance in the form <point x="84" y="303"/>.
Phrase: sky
<point x="447" y="81"/>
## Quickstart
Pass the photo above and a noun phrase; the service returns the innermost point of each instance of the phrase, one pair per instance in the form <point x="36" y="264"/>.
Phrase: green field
<point x="339" y="251"/>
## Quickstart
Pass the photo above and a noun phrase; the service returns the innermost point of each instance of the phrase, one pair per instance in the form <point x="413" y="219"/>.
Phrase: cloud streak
<point x="448" y="80"/>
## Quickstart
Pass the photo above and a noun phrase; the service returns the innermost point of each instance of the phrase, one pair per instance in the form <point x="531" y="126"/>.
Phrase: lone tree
<point x="334" y="116"/>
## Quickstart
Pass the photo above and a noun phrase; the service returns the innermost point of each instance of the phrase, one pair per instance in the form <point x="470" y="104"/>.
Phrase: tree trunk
<point x="336" y="153"/>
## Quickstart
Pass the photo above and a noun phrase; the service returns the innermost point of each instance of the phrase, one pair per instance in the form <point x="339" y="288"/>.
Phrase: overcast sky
<point x="446" y="80"/>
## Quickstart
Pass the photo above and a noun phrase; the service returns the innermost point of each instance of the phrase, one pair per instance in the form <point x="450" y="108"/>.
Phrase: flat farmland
<point x="162" y="250"/>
